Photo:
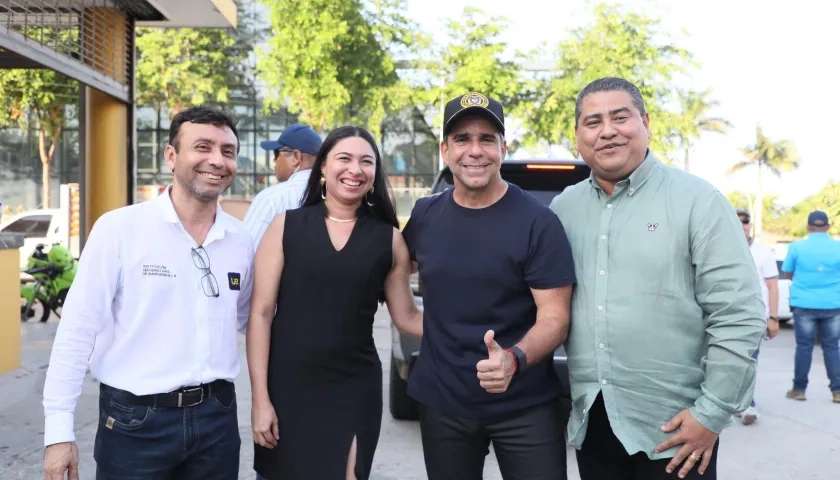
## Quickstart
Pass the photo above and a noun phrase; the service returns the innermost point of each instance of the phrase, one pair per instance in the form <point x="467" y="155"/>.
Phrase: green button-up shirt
<point x="667" y="311"/>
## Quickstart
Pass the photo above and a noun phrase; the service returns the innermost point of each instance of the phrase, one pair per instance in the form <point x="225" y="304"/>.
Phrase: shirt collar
<point x="300" y="173"/>
<point x="636" y="179"/>
<point x="165" y="203"/>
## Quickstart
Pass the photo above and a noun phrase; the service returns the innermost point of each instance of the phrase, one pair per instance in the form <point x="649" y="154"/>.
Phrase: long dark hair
<point x="383" y="207"/>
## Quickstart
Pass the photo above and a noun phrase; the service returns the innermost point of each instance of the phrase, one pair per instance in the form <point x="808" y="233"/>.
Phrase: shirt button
<point x="600" y="345"/>
<point x="609" y="205"/>
<point x="603" y="237"/>
<point x="632" y="190"/>
<point x="600" y="307"/>
<point x="584" y="410"/>
<point x="603" y="382"/>
<point x="602" y="272"/>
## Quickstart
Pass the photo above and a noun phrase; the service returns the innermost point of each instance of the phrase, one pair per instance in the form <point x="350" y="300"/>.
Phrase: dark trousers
<point x="529" y="445"/>
<point x="141" y="442"/>
<point x="603" y="457"/>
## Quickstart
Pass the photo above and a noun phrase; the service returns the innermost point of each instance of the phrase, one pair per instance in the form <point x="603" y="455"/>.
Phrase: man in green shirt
<point x="667" y="311"/>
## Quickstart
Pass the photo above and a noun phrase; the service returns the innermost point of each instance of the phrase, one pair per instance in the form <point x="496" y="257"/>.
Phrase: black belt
<point x="181" y="398"/>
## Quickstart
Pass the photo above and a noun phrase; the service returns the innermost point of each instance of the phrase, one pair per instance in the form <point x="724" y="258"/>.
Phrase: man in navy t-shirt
<point x="497" y="275"/>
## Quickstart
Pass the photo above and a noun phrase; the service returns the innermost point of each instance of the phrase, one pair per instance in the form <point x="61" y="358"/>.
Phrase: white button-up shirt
<point x="273" y="201"/>
<point x="138" y="314"/>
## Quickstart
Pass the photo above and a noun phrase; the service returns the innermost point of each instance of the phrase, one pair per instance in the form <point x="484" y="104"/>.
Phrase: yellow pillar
<point x="106" y="155"/>
<point x="106" y="118"/>
<point x="10" y="301"/>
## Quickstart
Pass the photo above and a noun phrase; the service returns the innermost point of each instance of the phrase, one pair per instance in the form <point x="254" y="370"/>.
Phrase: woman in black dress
<point x="316" y="378"/>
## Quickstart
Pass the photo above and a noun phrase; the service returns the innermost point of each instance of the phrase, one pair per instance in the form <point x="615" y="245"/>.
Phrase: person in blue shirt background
<point x="814" y="265"/>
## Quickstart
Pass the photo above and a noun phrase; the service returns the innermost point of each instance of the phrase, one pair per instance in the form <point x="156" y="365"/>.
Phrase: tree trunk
<point x="46" y="155"/>
<point x="759" y="205"/>
<point x="685" y="160"/>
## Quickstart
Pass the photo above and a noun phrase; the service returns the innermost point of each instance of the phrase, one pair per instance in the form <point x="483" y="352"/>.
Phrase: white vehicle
<point x="37" y="226"/>
<point x="785" y="315"/>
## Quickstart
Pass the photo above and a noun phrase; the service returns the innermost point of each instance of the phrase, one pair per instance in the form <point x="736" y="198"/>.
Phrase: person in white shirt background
<point x="294" y="155"/>
<point x="768" y="274"/>
<point x="161" y="290"/>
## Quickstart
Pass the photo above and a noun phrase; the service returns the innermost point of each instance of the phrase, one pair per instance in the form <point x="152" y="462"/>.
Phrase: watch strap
<point x="520" y="360"/>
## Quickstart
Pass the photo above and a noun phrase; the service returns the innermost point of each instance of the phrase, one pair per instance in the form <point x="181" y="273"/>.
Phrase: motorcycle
<point x="53" y="273"/>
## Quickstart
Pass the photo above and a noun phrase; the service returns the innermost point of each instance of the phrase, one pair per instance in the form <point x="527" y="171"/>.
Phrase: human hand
<point x="772" y="327"/>
<point x="496" y="371"/>
<point x="697" y="443"/>
<point x="61" y="458"/>
<point x="264" y="423"/>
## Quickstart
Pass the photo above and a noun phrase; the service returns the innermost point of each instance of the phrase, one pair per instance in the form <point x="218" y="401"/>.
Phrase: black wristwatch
<point x="774" y="318"/>
<point x="521" y="360"/>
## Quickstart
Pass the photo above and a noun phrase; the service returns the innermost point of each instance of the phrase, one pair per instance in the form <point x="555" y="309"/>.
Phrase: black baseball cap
<point x="743" y="214"/>
<point x="473" y="103"/>
<point x="817" y="219"/>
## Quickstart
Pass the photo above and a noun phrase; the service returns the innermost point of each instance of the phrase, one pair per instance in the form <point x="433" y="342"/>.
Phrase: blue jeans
<point x="141" y="442"/>
<point x="805" y="322"/>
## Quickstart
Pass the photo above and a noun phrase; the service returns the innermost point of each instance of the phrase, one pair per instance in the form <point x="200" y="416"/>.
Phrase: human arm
<point x="258" y="217"/>
<point x="401" y="305"/>
<point x="243" y="304"/>
<point x="550" y="274"/>
<point x="789" y="265"/>
<point x="86" y="313"/>
<point x="268" y="268"/>
<point x="728" y="291"/>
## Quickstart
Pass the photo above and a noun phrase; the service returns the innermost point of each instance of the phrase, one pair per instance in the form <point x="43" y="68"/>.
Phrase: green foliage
<point x="619" y="43"/>
<point x="181" y="67"/>
<point x="777" y="157"/>
<point x="794" y="221"/>
<point x="695" y="119"/>
<point x="743" y="200"/>
<point x="328" y="60"/>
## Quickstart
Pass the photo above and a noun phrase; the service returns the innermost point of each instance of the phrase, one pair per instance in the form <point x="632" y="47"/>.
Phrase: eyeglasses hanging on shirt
<point x="208" y="280"/>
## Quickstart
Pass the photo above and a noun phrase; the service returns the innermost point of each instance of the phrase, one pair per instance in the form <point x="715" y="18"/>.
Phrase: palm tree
<point x="777" y="157"/>
<point x="695" y="107"/>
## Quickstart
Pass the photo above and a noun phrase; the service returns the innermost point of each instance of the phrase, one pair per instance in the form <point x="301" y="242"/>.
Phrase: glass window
<point x="31" y="226"/>
<point x="146" y="150"/>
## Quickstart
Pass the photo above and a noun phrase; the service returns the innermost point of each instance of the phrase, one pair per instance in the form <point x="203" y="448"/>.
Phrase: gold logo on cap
<point x="474" y="99"/>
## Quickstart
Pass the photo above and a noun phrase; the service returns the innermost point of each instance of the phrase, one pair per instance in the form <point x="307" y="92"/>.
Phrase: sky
<point x="767" y="63"/>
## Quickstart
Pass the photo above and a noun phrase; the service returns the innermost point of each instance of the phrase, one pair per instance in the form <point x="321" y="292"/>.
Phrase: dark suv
<point x="544" y="179"/>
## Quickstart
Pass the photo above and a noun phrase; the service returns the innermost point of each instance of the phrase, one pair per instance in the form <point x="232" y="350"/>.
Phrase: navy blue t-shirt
<point x="477" y="267"/>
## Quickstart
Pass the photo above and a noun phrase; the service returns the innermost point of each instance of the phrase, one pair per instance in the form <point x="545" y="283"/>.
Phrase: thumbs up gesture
<point x="495" y="372"/>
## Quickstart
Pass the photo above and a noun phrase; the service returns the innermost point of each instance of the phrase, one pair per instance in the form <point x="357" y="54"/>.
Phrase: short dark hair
<point x="203" y="115"/>
<point x="610" y="84"/>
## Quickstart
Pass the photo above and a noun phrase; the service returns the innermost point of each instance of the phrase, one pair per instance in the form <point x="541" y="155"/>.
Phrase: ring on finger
<point x="695" y="457"/>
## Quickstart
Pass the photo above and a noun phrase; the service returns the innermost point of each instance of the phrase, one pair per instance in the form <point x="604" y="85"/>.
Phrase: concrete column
<point x="10" y="244"/>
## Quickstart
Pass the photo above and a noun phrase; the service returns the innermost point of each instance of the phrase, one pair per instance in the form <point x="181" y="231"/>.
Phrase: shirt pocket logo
<point x="652" y="227"/>
<point x="233" y="280"/>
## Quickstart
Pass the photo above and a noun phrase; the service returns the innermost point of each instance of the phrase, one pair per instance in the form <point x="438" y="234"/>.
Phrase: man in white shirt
<point x="161" y="290"/>
<point x="768" y="275"/>
<point x="294" y="155"/>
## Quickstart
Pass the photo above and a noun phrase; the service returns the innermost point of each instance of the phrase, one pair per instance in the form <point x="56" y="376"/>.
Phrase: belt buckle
<point x="181" y="397"/>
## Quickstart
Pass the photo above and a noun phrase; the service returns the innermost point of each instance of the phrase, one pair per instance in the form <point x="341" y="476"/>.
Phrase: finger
<point x="671" y="442"/>
<point x="678" y="459"/>
<point x="490" y="342"/>
<point x="688" y="465"/>
<point x="707" y="459"/>
<point x="494" y="375"/>
<point x="275" y="429"/>
<point x="487" y="366"/>
<point x="673" y="423"/>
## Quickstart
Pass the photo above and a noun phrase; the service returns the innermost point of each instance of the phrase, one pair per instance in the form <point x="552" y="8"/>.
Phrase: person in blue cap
<point x="294" y="154"/>
<point x="814" y="265"/>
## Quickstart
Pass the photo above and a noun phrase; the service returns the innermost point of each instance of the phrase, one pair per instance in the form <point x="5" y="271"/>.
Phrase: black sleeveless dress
<point x="324" y="374"/>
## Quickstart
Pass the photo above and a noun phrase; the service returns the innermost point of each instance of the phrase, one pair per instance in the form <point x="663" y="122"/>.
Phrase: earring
<point x="366" y="197"/>
<point x="323" y="187"/>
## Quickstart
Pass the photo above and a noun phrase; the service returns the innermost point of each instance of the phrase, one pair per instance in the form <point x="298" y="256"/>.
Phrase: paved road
<point x="793" y="440"/>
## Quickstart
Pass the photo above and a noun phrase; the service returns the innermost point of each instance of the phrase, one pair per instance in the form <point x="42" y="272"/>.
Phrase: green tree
<point x="473" y="59"/>
<point x="619" y="43"/>
<point x="794" y="221"/>
<point x="40" y="96"/>
<point x="181" y="67"/>
<point x="330" y="61"/>
<point x="746" y="201"/>
<point x="765" y="154"/>
<point x="696" y="119"/>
